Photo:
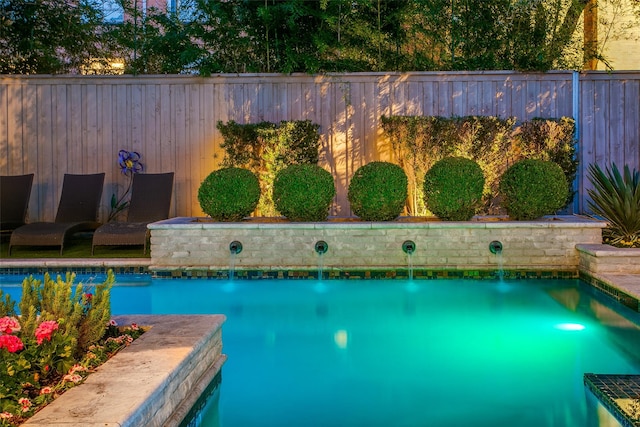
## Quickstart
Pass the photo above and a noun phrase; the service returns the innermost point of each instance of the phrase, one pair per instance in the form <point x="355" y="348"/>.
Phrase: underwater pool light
<point x="569" y="326"/>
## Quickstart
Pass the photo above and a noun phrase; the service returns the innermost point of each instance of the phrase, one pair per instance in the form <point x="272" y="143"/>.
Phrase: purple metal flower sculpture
<point x="129" y="162"/>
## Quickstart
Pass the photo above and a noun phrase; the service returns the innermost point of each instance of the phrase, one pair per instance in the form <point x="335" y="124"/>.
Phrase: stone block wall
<point x="605" y="259"/>
<point x="547" y="244"/>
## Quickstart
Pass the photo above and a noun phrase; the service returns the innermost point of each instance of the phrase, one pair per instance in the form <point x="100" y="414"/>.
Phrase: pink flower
<point x="11" y="342"/>
<point x="73" y="378"/>
<point x="134" y="327"/>
<point x="25" y="403"/>
<point x="8" y="325"/>
<point x="45" y="330"/>
<point x="6" y="415"/>
<point x="77" y="368"/>
<point x="118" y="340"/>
<point x="112" y="323"/>
<point x="46" y="390"/>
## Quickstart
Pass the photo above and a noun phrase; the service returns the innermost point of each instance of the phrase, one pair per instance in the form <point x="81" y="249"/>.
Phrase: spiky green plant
<point x="616" y="198"/>
<point x="83" y="311"/>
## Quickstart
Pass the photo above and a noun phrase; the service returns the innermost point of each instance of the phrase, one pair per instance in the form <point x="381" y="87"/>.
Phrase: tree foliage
<point x="237" y="36"/>
<point x="49" y="36"/>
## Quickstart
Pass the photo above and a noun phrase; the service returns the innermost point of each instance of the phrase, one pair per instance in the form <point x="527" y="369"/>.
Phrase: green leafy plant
<point x="552" y="140"/>
<point x="453" y="188"/>
<point x="378" y="191"/>
<point x="532" y="188"/>
<point x="64" y="332"/>
<point x="229" y="194"/>
<point x="242" y="144"/>
<point x="420" y="141"/>
<point x="85" y="313"/>
<point x="289" y="143"/>
<point x="303" y="192"/>
<point x="494" y="143"/>
<point x="265" y="148"/>
<point x="616" y="197"/>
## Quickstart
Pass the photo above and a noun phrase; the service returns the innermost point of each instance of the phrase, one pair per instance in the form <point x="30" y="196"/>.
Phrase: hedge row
<point x="378" y="191"/>
<point x="494" y="143"/>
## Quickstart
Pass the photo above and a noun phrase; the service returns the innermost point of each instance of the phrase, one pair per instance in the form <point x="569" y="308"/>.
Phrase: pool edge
<point x="162" y="369"/>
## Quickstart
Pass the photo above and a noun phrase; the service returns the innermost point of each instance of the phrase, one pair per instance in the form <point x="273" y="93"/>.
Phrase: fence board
<point x="56" y="124"/>
<point x="631" y="123"/>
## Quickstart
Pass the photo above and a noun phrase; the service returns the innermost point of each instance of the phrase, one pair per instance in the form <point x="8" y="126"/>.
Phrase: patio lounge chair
<point x="77" y="212"/>
<point x="150" y="202"/>
<point x="15" y="191"/>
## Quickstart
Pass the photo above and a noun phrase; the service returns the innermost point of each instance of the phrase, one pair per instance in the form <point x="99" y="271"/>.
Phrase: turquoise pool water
<point x="393" y="353"/>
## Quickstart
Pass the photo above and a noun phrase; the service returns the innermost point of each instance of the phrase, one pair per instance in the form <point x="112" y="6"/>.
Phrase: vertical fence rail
<point x="51" y="125"/>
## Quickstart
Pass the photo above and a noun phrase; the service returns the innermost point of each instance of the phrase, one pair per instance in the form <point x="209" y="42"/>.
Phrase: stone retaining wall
<point x="602" y="259"/>
<point x="149" y="383"/>
<point x="546" y="244"/>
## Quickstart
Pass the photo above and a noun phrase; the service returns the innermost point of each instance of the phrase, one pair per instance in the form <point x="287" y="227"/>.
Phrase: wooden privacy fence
<point x="51" y="125"/>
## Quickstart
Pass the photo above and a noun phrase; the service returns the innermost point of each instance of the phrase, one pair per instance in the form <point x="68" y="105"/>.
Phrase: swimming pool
<point x="394" y="353"/>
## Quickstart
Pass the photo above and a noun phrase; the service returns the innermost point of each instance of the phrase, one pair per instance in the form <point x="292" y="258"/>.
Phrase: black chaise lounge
<point x="77" y="212"/>
<point x="150" y="202"/>
<point x="15" y="191"/>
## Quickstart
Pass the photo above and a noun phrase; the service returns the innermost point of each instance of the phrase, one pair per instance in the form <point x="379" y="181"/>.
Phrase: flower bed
<point x="41" y="358"/>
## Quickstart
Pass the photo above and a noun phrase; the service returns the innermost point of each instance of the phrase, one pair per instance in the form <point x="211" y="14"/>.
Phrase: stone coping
<point x="564" y="221"/>
<point x="606" y="259"/>
<point x="52" y="263"/>
<point x="608" y="251"/>
<point x="150" y="383"/>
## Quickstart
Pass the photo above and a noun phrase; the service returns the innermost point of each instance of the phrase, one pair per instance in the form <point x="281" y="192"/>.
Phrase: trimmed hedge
<point x="494" y="143"/>
<point x="378" y="191"/>
<point x="265" y="148"/>
<point x="303" y="192"/>
<point x="229" y="194"/>
<point x="453" y="188"/>
<point x="532" y="188"/>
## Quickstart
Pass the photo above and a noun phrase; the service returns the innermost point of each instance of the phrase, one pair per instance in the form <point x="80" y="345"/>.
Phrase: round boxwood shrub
<point x="303" y="192"/>
<point x="378" y="191"/>
<point x="533" y="188"/>
<point x="229" y="194"/>
<point x="453" y="188"/>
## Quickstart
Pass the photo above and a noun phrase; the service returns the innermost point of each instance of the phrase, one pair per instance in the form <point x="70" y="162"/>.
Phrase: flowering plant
<point x="129" y="162"/>
<point x="40" y="357"/>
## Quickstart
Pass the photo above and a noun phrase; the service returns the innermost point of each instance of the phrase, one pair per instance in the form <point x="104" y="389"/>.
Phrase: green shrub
<point x="420" y="141"/>
<point x="63" y="333"/>
<point x="616" y="197"/>
<point x="553" y="140"/>
<point x="532" y="188"/>
<point x="378" y="191"/>
<point x="229" y="194"/>
<point x="289" y="143"/>
<point x="265" y="148"/>
<point x="51" y="300"/>
<point x="242" y="144"/>
<point x="303" y="192"/>
<point x="492" y="142"/>
<point x="453" y="188"/>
